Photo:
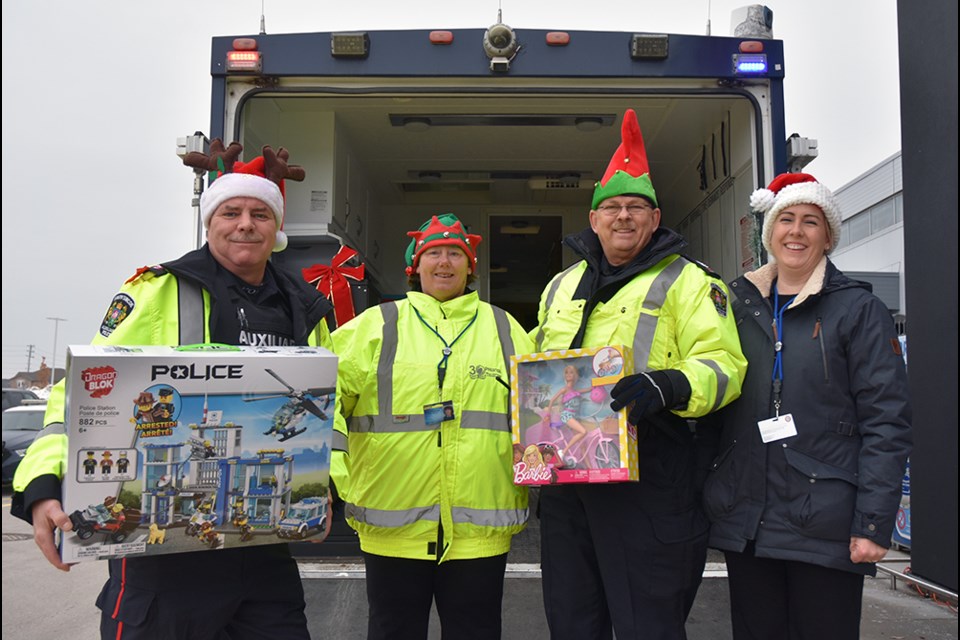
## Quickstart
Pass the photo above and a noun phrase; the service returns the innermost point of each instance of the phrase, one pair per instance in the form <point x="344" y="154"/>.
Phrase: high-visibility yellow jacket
<point x="671" y="312"/>
<point x="160" y="309"/>
<point x="404" y="479"/>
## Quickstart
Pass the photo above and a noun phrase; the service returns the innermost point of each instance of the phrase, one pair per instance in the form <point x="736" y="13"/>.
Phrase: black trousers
<point x="235" y="594"/>
<point x="468" y="595"/>
<point x="607" y="563"/>
<point x="789" y="600"/>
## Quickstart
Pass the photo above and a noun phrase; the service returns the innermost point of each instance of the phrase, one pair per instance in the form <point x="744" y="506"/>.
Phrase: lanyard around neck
<point x="778" y="346"/>
<point x="447" y="347"/>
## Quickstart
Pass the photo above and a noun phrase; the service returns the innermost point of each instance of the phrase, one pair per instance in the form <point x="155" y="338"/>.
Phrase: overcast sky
<point x="96" y="93"/>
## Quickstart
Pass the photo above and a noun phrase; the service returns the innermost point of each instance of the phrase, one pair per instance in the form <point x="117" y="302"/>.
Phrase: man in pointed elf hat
<point x="226" y="292"/>
<point x="629" y="557"/>
<point x="430" y="491"/>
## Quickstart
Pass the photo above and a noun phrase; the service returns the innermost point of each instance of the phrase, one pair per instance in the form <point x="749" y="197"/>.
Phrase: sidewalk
<point x="336" y="606"/>
<point x="40" y="602"/>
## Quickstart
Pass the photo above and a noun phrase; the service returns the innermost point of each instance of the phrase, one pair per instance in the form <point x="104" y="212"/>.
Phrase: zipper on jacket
<point x="438" y="439"/>
<point x="818" y="335"/>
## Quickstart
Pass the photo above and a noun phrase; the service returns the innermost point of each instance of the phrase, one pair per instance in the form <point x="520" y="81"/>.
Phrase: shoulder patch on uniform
<point x="120" y="307"/>
<point x="703" y="267"/>
<point x="719" y="298"/>
<point x="155" y="270"/>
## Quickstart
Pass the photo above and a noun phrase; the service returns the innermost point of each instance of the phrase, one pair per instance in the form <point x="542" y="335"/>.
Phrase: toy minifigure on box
<point x="563" y="427"/>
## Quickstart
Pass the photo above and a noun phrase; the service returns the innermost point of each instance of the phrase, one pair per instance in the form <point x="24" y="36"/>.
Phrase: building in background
<point x="871" y="243"/>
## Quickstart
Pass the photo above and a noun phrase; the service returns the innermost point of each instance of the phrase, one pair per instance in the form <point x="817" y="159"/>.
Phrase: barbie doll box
<point x="200" y="448"/>
<point x="563" y="428"/>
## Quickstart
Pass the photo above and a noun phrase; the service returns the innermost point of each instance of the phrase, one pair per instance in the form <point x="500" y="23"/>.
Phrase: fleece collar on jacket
<point x="825" y="277"/>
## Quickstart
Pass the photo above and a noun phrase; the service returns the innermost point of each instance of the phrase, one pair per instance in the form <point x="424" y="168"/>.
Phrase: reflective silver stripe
<point x="190" y="311"/>
<point x="503" y="331"/>
<point x="643" y="340"/>
<point x="340" y="442"/>
<point x="392" y="518"/>
<point x="484" y="420"/>
<point x="388" y="424"/>
<point x="461" y="515"/>
<point x="489" y="517"/>
<point x="722" y="381"/>
<point x="506" y="347"/>
<point x="657" y="294"/>
<point x="549" y="302"/>
<point x="646" y="323"/>
<point x="388" y="353"/>
<point x="416" y="422"/>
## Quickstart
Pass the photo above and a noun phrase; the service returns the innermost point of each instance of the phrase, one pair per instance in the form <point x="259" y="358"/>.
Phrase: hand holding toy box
<point x="178" y="450"/>
<point x="563" y="428"/>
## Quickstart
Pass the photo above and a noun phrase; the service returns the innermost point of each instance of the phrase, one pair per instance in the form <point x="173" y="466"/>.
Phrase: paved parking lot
<point x="40" y="602"/>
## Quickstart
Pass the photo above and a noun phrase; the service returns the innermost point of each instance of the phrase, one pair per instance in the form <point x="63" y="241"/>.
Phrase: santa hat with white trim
<point x="261" y="178"/>
<point x="789" y="189"/>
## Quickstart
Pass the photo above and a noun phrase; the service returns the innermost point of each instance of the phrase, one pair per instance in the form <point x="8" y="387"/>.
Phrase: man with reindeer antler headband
<point x="225" y="292"/>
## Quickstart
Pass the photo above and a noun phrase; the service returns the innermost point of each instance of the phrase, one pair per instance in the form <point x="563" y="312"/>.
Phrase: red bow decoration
<point x="331" y="282"/>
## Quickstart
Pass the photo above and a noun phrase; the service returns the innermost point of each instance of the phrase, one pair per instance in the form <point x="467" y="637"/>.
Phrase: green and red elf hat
<point x="628" y="172"/>
<point x="445" y="229"/>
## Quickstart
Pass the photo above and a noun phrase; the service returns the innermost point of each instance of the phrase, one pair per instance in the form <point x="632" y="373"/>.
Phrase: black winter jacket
<point x="844" y="382"/>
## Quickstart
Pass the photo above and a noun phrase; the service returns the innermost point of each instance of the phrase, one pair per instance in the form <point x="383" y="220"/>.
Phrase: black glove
<point x="650" y="392"/>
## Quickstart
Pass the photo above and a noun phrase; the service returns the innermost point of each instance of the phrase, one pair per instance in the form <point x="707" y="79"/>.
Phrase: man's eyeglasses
<point x="632" y="209"/>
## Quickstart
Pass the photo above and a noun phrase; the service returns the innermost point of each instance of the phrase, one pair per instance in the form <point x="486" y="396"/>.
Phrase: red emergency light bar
<point x="244" y="61"/>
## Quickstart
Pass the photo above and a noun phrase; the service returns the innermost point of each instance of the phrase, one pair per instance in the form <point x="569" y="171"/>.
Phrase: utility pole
<point x="56" y="326"/>
<point x="30" y="349"/>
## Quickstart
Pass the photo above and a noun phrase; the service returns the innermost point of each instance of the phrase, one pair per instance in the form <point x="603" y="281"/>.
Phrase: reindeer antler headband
<point x="261" y="178"/>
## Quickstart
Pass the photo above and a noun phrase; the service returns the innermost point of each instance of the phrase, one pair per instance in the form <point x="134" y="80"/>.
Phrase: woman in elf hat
<point x="430" y="492"/>
<point x="804" y="493"/>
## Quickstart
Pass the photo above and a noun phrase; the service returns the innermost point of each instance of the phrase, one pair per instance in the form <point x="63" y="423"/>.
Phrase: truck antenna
<point x="263" y="21"/>
<point x="708" y="17"/>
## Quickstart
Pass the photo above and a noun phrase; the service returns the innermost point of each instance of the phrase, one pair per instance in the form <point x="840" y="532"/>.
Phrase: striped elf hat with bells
<point x="628" y="172"/>
<point x="445" y="229"/>
<point x="261" y="178"/>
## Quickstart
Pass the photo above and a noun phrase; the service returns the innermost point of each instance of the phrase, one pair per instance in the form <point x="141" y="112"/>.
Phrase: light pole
<point x="56" y="326"/>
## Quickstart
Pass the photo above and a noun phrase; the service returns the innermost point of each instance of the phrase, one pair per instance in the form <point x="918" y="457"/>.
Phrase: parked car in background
<point x="14" y="397"/>
<point x="20" y="426"/>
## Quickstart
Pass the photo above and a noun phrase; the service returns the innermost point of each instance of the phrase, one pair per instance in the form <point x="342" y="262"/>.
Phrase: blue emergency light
<point x="749" y="64"/>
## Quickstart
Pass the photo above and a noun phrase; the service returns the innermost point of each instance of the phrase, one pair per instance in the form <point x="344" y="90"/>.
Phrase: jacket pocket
<point x="818" y="335"/>
<point x="720" y="488"/>
<point x="822" y="496"/>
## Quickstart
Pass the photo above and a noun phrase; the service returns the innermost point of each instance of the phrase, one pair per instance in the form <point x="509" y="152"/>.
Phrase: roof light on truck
<point x="244" y="57"/>
<point x="749" y="64"/>
<point x="349" y="45"/>
<point x="441" y="37"/>
<point x="649" y="46"/>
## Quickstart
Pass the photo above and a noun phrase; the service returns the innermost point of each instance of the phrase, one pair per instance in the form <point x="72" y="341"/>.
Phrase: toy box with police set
<point x="174" y="450"/>
<point x="563" y="428"/>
